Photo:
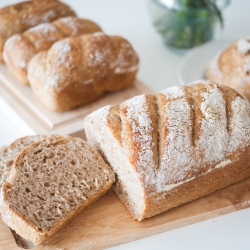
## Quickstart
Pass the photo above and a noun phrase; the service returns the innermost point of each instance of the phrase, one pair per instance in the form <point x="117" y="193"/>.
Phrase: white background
<point x="158" y="69"/>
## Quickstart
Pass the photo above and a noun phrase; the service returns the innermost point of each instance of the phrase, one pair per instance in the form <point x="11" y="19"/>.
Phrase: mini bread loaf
<point x="9" y="153"/>
<point x="78" y="70"/>
<point x="175" y="146"/>
<point x="20" y="48"/>
<point x="19" y="17"/>
<point x="231" y="67"/>
<point x="50" y="182"/>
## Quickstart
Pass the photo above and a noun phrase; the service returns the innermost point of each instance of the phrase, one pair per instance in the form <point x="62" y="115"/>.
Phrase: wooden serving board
<point x="20" y="105"/>
<point x="107" y="223"/>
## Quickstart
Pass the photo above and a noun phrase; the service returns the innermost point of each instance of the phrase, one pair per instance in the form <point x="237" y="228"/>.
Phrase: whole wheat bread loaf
<point x="231" y="67"/>
<point x="9" y="153"/>
<point x="78" y="70"/>
<point x="175" y="146"/>
<point x="50" y="182"/>
<point x="20" y="48"/>
<point x="21" y="16"/>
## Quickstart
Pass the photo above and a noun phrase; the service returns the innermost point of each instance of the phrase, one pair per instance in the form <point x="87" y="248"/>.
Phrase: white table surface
<point x="129" y="18"/>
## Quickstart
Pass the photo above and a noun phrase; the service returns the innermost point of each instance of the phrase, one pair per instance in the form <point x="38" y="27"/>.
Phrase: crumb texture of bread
<point x="19" y="17"/>
<point x="175" y="146"/>
<point x="231" y="67"/>
<point x="78" y="70"/>
<point x="20" y="48"/>
<point x="9" y="153"/>
<point x="51" y="181"/>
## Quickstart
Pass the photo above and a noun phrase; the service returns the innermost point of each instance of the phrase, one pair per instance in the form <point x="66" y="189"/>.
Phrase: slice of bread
<point x="50" y="182"/>
<point x="9" y="153"/>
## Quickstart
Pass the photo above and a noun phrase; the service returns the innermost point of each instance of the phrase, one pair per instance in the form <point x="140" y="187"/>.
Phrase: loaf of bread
<point x="9" y="153"/>
<point x="231" y="67"/>
<point x="50" y="182"/>
<point x="20" y="48"/>
<point x="19" y="17"/>
<point x="175" y="146"/>
<point x="78" y="70"/>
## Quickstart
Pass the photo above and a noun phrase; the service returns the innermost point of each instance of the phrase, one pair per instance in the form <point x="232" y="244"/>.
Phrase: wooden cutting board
<point x="20" y="105"/>
<point x="107" y="223"/>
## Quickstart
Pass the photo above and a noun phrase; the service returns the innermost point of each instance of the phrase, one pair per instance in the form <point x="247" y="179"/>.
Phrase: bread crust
<point x="231" y="67"/>
<point x="78" y="70"/>
<point x="20" y="48"/>
<point x="203" y="144"/>
<point x="18" y="17"/>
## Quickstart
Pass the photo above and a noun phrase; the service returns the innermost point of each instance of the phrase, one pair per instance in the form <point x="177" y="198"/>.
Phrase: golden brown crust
<point x="78" y="70"/>
<point x="203" y="143"/>
<point x="231" y="68"/>
<point x="19" y="17"/>
<point x="200" y="186"/>
<point x="20" y="48"/>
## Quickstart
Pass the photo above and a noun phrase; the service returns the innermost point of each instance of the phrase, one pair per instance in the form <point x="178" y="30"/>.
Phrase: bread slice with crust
<point x="50" y="182"/>
<point x="9" y="153"/>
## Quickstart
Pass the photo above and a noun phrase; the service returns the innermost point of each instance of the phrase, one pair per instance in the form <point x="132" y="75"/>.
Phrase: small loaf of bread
<point x="173" y="147"/>
<point x="231" y="67"/>
<point x="78" y="70"/>
<point x="20" y="48"/>
<point x="51" y="181"/>
<point x="19" y="17"/>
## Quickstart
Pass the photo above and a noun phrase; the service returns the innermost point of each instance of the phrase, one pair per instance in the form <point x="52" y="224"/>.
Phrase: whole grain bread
<point x="78" y="70"/>
<point x="9" y="153"/>
<point x="21" y="16"/>
<point x="50" y="182"/>
<point x="175" y="146"/>
<point x="20" y="48"/>
<point x="231" y="67"/>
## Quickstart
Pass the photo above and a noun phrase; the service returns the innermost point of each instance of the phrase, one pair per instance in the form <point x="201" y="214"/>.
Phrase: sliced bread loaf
<point x="9" y="153"/>
<point x="50" y="182"/>
<point x="175" y="146"/>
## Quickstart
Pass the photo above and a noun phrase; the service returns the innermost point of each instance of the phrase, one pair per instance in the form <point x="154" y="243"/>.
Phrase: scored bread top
<point x="51" y="178"/>
<point x="179" y="133"/>
<point x="9" y="153"/>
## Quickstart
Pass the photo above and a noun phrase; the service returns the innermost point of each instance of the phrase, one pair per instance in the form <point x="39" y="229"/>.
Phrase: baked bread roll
<point x="20" y="48"/>
<point x="9" y="153"/>
<point x="231" y="67"/>
<point x="78" y="70"/>
<point x="19" y="17"/>
<point x="175" y="146"/>
<point x="50" y="182"/>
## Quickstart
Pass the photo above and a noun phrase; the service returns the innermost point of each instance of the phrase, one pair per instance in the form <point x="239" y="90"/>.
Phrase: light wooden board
<point x="107" y="223"/>
<point x="19" y="104"/>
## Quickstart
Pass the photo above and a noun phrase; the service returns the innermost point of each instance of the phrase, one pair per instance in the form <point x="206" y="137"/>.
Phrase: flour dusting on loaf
<point x="231" y="67"/>
<point x="78" y="70"/>
<point x="243" y="46"/>
<point x="20" y="49"/>
<point x="138" y="117"/>
<point x="182" y="143"/>
<point x="214" y="135"/>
